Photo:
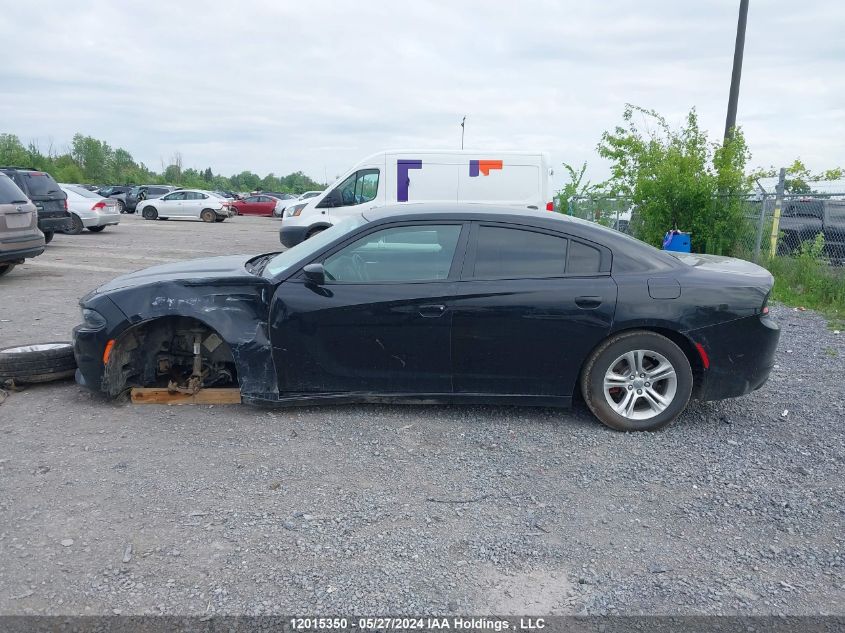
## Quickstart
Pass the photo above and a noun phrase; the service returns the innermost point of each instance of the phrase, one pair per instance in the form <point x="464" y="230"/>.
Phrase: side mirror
<point x="315" y="274"/>
<point x="332" y="199"/>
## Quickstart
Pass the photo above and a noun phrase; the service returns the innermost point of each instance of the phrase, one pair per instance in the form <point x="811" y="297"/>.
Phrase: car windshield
<point x="10" y="193"/>
<point x="82" y="191"/>
<point x="41" y="184"/>
<point x="286" y="259"/>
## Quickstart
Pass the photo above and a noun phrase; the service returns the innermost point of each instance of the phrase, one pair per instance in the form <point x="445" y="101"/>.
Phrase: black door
<point x="528" y="309"/>
<point x="380" y="324"/>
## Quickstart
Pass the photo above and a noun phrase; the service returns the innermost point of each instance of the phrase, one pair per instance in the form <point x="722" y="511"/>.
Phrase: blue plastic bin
<point x="676" y="241"/>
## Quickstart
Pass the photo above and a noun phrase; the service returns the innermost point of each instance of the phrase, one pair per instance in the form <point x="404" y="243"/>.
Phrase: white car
<point x="309" y="194"/>
<point x="89" y="210"/>
<point x="187" y="203"/>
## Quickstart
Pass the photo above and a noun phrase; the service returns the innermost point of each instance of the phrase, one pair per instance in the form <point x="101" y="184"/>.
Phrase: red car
<point x="256" y="205"/>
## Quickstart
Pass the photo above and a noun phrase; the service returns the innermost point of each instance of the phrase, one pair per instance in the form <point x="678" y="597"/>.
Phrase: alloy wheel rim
<point x="640" y="384"/>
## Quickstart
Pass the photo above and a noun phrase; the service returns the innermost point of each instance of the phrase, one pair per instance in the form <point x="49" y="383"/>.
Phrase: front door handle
<point x="588" y="303"/>
<point x="432" y="311"/>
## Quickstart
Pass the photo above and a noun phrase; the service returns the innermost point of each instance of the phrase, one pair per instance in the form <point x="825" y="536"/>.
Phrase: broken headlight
<point x="93" y="319"/>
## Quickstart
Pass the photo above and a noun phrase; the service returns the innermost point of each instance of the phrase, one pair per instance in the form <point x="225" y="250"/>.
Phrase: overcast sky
<point x="316" y="85"/>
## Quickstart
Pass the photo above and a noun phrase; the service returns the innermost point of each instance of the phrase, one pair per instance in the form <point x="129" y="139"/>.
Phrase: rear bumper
<point x="55" y="224"/>
<point x="20" y="254"/>
<point x="740" y="353"/>
<point x="101" y="219"/>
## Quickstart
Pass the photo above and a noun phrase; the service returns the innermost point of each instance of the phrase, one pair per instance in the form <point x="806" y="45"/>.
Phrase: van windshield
<point x="304" y="250"/>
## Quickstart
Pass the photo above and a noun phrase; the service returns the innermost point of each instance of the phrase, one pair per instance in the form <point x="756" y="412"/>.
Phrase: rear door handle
<point x="432" y="311"/>
<point x="588" y="303"/>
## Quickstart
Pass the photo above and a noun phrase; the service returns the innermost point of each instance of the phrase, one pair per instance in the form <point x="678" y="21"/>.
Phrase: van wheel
<point x="313" y="233"/>
<point x="149" y="213"/>
<point x="48" y="236"/>
<point x="76" y="226"/>
<point x="5" y="269"/>
<point x="637" y="381"/>
<point x="37" y="363"/>
<point x="208" y="215"/>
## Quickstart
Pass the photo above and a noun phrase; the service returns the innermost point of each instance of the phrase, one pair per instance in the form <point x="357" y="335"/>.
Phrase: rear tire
<point x="5" y="269"/>
<point x="37" y="363"/>
<point x="644" y="394"/>
<point x="208" y="215"/>
<point x="149" y="213"/>
<point x="96" y="229"/>
<point x="76" y="226"/>
<point x="48" y="236"/>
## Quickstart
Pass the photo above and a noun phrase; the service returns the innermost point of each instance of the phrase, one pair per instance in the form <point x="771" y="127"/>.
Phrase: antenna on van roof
<point x="464" y="120"/>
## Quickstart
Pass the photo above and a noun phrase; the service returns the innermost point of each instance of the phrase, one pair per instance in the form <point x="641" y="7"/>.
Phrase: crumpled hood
<point x="193" y="271"/>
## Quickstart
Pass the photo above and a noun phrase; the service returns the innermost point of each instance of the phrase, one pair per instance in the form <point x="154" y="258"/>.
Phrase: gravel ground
<point x="737" y="508"/>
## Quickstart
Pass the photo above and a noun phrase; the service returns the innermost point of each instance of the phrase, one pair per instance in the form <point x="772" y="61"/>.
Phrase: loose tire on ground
<point x="37" y="363"/>
<point x="607" y="378"/>
<point x="96" y="229"/>
<point x="208" y="215"/>
<point x="121" y="206"/>
<point x="149" y="213"/>
<point x="5" y="269"/>
<point x="48" y="236"/>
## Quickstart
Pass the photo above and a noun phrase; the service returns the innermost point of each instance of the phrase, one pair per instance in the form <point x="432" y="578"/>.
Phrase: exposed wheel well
<point x="155" y="352"/>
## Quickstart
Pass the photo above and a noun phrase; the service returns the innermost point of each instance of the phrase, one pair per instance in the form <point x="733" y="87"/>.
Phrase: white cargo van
<point x="504" y="178"/>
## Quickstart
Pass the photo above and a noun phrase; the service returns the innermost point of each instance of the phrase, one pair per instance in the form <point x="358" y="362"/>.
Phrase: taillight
<point x="550" y="206"/>
<point x="99" y="206"/>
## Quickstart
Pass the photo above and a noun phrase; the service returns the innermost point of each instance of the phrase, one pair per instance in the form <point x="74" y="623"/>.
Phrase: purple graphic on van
<point x="483" y="167"/>
<point x="402" y="178"/>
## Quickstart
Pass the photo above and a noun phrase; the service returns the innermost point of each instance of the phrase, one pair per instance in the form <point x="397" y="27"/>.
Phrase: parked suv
<point x="48" y="197"/>
<point x="803" y="220"/>
<point x="144" y="192"/>
<point x="117" y="193"/>
<point x="19" y="234"/>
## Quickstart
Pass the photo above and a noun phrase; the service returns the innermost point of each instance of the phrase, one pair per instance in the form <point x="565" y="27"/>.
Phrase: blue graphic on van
<point x="403" y="180"/>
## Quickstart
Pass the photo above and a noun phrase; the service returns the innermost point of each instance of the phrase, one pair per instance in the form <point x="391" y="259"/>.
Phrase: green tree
<point x="12" y="151"/>
<point x="676" y="177"/>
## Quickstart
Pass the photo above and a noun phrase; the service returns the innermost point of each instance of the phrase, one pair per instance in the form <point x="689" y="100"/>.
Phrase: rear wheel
<point x="76" y="225"/>
<point x="149" y="213"/>
<point x="96" y="229"/>
<point x="37" y="363"/>
<point x="5" y="269"/>
<point x="637" y="381"/>
<point x="208" y="215"/>
<point x="48" y="236"/>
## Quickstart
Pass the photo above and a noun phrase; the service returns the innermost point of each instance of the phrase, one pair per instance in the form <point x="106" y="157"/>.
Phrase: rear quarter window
<point x="583" y="259"/>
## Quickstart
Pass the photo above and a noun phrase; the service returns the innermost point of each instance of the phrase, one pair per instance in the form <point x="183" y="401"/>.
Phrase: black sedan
<point x="435" y="304"/>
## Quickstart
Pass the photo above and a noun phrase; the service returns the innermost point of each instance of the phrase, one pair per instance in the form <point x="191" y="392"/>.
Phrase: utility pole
<point x="463" y="121"/>
<point x="739" y="47"/>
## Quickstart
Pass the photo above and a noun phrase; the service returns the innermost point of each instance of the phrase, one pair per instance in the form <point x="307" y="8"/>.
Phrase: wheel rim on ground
<point x="640" y="384"/>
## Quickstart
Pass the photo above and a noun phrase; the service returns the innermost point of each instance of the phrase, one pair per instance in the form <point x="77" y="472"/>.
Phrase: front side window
<point x="406" y="253"/>
<point x="505" y="253"/>
<point x="360" y="187"/>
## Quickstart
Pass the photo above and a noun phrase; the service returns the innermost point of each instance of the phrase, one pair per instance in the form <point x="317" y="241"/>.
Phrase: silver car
<point x="89" y="210"/>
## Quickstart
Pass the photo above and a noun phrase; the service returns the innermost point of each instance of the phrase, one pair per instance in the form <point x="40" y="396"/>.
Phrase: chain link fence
<point x="756" y="234"/>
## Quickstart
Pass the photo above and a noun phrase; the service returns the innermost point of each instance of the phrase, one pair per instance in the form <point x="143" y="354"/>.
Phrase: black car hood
<point x="191" y="272"/>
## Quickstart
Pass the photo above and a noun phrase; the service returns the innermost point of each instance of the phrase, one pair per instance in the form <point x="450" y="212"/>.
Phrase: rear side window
<point x="511" y="253"/>
<point x="10" y="193"/>
<point x="41" y="184"/>
<point x="583" y="259"/>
